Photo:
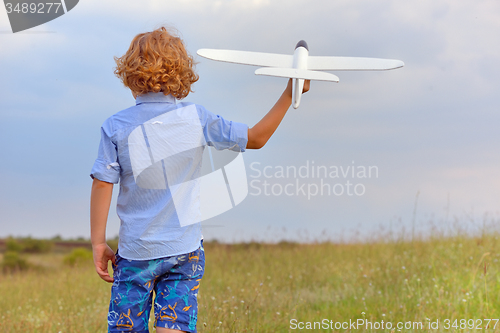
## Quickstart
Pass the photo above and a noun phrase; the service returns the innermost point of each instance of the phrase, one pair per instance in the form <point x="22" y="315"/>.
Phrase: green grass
<point x="261" y="287"/>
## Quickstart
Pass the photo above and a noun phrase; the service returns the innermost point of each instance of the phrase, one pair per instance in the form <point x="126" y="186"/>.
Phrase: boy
<point x="154" y="149"/>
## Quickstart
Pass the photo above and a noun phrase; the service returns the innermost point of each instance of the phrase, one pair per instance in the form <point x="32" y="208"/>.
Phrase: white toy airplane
<point x="299" y="66"/>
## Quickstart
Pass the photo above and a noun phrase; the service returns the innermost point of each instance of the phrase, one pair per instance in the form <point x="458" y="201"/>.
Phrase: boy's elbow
<point x="255" y="144"/>
<point x="255" y="141"/>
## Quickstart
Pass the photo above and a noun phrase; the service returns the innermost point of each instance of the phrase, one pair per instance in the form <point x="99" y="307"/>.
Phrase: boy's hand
<point x="288" y="90"/>
<point x="102" y="254"/>
<point x="307" y="85"/>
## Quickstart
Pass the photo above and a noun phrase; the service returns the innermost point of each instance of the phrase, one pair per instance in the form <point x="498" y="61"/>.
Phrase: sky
<point x="428" y="131"/>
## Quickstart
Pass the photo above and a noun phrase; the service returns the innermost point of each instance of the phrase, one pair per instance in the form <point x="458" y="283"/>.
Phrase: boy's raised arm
<point x="100" y="200"/>
<point x="259" y="134"/>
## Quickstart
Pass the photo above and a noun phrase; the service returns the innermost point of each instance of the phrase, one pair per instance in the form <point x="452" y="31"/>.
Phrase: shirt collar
<point x="152" y="97"/>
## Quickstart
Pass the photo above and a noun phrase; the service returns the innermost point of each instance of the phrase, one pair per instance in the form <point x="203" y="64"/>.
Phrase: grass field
<point x="275" y="288"/>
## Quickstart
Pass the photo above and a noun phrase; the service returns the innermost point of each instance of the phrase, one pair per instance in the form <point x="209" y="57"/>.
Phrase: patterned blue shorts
<point x="175" y="281"/>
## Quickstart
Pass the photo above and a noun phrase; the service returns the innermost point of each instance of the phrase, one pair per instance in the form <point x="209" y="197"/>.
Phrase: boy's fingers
<point x="103" y="274"/>
<point x="307" y="85"/>
<point x="101" y="259"/>
<point x="107" y="278"/>
<point x="100" y="270"/>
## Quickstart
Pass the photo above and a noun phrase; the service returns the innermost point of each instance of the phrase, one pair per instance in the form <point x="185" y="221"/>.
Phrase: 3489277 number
<point x="478" y="324"/>
<point x="39" y="8"/>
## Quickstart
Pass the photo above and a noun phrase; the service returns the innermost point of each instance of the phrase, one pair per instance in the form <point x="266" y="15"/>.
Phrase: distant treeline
<point x="55" y="244"/>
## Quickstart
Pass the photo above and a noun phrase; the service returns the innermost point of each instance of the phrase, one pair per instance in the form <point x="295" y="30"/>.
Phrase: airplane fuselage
<point x="299" y="62"/>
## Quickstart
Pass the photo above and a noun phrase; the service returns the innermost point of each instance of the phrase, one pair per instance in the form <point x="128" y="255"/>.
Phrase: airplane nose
<point x="303" y="44"/>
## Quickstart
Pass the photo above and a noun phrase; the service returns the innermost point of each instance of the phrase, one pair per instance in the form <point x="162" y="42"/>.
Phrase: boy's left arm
<point x="100" y="200"/>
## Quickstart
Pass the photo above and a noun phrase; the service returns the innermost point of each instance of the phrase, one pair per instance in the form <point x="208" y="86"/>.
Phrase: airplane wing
<point x="351" y="63"/>
<point x="297" y="74"/>
<point x="248" y="58"/>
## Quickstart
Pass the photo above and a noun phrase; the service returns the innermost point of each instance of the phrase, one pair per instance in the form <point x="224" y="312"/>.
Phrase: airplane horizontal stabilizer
<point x="248" y="58"/>
<point x="297" y="74"/>
<point x="351" y="63"/>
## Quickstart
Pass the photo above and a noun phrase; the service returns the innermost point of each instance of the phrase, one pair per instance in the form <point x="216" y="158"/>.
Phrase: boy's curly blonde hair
<point x="157" y="61"/>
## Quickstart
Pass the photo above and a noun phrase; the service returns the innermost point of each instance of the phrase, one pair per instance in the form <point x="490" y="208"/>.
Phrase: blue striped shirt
<point x="154" y="150"/>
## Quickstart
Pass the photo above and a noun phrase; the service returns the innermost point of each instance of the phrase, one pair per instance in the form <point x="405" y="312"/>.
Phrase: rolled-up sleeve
<point x="224" y="134"/>
<point x="106" y="167"/>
